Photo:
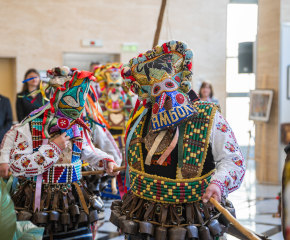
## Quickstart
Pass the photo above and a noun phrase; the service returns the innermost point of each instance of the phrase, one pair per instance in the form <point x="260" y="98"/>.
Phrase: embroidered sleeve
<point x="95" y="157"/>
<point x="105" y="141"/>
<point x="227" y="155"/>
<point x="23" y="161"/>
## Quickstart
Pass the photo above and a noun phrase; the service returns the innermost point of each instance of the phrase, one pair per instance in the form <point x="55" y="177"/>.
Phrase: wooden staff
<point x="234" y="221"/>
<point x="159" y="23"/>
<point x="87" y="173"/>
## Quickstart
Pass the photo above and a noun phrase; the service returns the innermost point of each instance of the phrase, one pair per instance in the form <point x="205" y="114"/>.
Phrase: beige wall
<point x="38" y="32"/>
<point x="268" y="47"/>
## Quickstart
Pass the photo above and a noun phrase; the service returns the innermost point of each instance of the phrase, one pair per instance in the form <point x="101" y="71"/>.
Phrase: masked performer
<point x="46" y="149"/>
<point x="180" y="152"/>
<point x="115" y="101"/>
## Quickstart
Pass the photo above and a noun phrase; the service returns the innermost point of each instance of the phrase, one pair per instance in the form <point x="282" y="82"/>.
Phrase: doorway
<point x="8" y="81"/>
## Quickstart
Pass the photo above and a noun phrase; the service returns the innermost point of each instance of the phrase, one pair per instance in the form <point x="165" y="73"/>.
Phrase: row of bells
<point x="58" y="222"/>
<point x="147" y="230"/>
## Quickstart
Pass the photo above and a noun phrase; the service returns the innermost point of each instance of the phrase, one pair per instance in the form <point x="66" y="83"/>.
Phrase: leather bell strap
<point x="82" y="199"/>
<point x="154" y="147"/>
<point x="169" y="149"/>
<point x="38" y="185"/>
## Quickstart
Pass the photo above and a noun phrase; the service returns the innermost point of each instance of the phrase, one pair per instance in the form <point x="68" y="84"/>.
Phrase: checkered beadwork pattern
<point x="36" y="131"/>
<point x="196" y="136"/>
<point x="195" y="139"/>
<point x="165" y="190"/>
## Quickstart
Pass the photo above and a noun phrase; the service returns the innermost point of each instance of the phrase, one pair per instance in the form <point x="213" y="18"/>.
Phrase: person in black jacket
<point x="24" y="105"/>
<point x="5" y="116"/>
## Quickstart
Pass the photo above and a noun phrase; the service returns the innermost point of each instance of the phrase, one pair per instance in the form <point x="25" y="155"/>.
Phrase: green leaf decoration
<point x="7" y="213"/>
<point x="26" y="231"/>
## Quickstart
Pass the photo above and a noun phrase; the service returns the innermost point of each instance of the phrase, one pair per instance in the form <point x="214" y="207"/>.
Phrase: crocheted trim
<point x="56" y="148"/>
<point x="167" y="47"/>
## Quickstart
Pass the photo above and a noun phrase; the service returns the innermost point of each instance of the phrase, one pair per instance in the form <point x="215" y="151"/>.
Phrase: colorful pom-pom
<point x="64" y="71"/>
<point x="188" y="54"/>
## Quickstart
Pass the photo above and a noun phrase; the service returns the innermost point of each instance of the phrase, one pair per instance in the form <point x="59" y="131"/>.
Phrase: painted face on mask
<point x="72" y="102"/>
<point x="158" y="81"/>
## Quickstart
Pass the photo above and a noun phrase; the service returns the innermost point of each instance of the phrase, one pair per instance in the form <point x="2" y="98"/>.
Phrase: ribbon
<point x="169" y="149"/>
<point x="154" y="147"/>
<point x="128" y="140"/>
<point x="38" y="185"/>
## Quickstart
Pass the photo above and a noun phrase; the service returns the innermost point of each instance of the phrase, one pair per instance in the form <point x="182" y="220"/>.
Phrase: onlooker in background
<point x="5" y="116"/>
<point x="206" y="92"/>
<point x="23" y="105"/>
<point x="93" y="65"/>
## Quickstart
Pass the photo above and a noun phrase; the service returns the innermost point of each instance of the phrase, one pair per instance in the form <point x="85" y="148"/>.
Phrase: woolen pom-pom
<point x="64" y="71"/>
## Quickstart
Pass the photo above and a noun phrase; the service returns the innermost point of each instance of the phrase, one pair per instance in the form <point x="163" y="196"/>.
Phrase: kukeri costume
<point x="176" y="146"/>
<point x="116" y="103"/>
<point x="53" y="194"/>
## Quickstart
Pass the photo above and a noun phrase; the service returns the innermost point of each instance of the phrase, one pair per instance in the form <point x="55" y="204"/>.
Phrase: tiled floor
<point x="254" y="203"/>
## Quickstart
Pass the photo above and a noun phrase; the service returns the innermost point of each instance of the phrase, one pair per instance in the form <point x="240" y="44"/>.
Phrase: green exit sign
<point x="129" y="47"/>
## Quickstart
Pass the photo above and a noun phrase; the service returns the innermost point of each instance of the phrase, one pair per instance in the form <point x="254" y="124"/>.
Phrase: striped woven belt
<point x="62" y="173"/>
<point x="165" y="190"/>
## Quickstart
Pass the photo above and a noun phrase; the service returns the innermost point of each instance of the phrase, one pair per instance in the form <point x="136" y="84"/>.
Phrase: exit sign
<point x="92" y="43"/>
<point x="129" y="47"/>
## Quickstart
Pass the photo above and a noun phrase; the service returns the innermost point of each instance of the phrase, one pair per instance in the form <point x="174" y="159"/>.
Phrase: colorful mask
<point x="67" y="104"/>
<point x="161" y="78"/>
<point x="115" y="100"/>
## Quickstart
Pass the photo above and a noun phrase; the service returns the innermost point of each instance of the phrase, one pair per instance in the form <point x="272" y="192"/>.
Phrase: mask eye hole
<point x="156" y="89"/>
<point x="169" y="84"/>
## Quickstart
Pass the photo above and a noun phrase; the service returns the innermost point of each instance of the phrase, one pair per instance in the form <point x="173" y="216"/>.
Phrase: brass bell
<point x="192" y="231"/>
<point x="82" y="219"/>
<point x="146" y="229"/>
<point x="214" y="227"/>
<point x="24" y="216"/>
<point x="96" y="204"/>
<point x="114" y="218"/>
<point x="131" y="227"/>
<point x="102" y="186"/>
<point x="121" y="220"/>
<point x="94" y="216"/>
<point x="100" y="200"/>
<point x="160" y="233"/>
<point x="116" y="203"/>
<point x="117" y="208"/>
<point x="177" y="233"/>
<point x="41" y="218"/>
<point x="54" y="218"/>
<point x="48" y="228"/>
<point x="74" y="212"/>
<point x="223" y="220"/>
<point x="65" y="220"/>
<point x="204" y="233"/>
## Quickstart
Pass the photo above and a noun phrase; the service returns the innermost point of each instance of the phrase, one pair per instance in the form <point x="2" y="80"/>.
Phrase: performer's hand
<point x="4" y="167"/>
<point x="214" y="191"/>
<point x="62" y="141"/>
<point x="110" y="167"/>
